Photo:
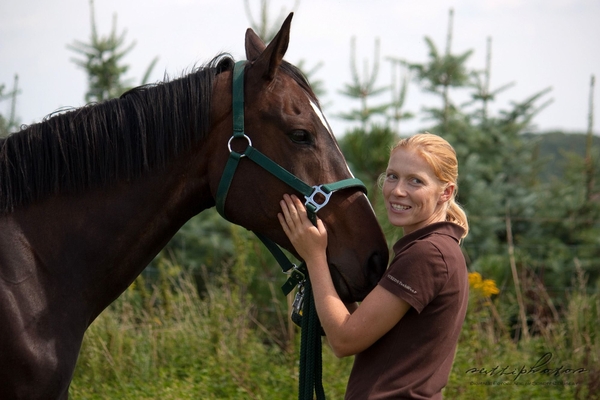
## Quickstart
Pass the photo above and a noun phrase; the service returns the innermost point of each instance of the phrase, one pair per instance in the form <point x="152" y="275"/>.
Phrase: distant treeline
<point x="553" y="147"/>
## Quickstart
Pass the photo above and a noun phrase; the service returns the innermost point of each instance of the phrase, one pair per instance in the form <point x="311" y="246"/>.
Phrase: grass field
<point x="165" y="341"/>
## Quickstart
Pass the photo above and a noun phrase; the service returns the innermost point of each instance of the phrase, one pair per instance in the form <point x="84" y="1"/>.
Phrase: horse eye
<point x="300" y="137"/>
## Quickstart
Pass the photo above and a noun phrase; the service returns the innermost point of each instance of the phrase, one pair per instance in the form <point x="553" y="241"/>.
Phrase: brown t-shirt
<point x="413" y="360"/>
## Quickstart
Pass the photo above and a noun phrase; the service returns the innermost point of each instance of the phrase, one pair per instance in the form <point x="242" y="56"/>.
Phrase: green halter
<point x="316" y="196"/>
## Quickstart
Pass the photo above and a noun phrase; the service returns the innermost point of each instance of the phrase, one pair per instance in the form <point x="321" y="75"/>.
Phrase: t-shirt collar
<point x="444" y="227"/>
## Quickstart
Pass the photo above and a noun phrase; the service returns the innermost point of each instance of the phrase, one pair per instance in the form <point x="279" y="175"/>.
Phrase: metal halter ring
<point x="235" y="137"/>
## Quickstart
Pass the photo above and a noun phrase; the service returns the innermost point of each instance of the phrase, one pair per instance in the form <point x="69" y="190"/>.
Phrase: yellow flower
<point x="474" y="278"/>
<point x="485" y="287"/>
<point x="489" y="288"/>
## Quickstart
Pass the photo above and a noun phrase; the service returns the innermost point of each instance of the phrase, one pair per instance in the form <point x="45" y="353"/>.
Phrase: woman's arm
<point x="348" y="333"/>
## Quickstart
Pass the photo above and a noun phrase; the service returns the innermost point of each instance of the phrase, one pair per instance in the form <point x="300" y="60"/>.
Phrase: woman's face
<point x="414" y="197"/>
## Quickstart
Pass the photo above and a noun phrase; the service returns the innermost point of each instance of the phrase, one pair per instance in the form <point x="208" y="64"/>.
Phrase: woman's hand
<point x="309" y="241"/>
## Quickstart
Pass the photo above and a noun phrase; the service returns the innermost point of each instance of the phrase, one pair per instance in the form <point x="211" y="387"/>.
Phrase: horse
<point x="88" y="197"/>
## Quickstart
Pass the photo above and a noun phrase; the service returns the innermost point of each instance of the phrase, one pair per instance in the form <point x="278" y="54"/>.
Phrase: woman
<point x="404" y="333"/>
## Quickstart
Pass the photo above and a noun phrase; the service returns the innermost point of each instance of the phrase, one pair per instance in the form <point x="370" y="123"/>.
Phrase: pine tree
<point x="102" y="60"/>
<point x="399" y="93"/>
<point x="363" y="88"/>
<point x="441" y="73"/>
<point x="480" y="81"/>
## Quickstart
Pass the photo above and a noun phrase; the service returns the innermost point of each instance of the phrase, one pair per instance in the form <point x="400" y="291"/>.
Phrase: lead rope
<point x="311" y="361"/>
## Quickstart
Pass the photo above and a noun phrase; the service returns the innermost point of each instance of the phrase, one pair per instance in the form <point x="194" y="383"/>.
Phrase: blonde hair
<point x="441" y="156"/>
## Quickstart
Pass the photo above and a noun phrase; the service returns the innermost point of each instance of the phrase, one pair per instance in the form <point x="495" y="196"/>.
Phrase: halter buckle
<point x="312" y="202"/>
<point x="297" y="273"/>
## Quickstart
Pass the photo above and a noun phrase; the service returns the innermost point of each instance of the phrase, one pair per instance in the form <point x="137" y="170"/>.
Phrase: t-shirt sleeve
<point x="417" y="274"/>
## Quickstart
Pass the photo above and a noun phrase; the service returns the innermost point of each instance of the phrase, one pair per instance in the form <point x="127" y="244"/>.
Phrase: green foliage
<point x="442" y="70"/>
<point x="567" y="232"/>
<point x="102" y="60"/>
<point x="368" y="152"/>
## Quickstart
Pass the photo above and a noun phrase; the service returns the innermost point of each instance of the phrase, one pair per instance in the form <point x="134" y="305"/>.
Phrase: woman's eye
<point x="301" y="137"/>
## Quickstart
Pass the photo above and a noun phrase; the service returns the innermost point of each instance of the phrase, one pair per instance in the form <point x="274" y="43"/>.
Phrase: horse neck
<point x="101" y="239"/>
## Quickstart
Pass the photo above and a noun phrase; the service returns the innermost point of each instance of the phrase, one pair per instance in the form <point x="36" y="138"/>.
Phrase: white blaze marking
<point x="321" y="116"/>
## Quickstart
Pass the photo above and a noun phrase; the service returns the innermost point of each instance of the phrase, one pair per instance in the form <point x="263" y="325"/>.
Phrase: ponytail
<point x="457" y="215"/>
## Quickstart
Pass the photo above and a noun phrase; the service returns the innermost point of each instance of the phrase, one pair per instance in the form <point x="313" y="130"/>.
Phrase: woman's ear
<point x="447" y="193"/>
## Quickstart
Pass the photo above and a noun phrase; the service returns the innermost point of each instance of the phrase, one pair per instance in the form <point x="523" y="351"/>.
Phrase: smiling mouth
<point x="399" y="207"/>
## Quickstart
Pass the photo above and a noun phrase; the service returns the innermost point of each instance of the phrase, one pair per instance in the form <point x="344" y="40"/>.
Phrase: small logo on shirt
<point x="404" y="285"/>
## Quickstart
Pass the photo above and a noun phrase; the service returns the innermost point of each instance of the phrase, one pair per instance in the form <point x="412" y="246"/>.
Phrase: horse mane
<point x="99" y="144"/>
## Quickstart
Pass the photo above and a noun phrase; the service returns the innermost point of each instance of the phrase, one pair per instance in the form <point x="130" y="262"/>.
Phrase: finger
<point x="321" y="225"/>
<point x="297" y="203"/>
<point x="301" y="210"/>
<point x="293" y="219"/>
<point x="287" y="217"/>
<point x="284" y="224"/>
<point x="292" y="206"/>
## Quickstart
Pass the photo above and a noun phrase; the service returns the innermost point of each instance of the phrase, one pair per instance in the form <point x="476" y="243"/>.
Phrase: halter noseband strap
<point x="316" y="196"/>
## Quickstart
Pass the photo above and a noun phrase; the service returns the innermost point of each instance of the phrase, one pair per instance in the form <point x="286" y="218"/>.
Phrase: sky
<point x="535" y="43"/>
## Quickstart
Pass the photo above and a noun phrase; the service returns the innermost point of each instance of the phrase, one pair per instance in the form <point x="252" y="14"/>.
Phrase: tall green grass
<point x="186" y="347"/>
<point x="167" y="341"/>
<point x="561" y="360"/>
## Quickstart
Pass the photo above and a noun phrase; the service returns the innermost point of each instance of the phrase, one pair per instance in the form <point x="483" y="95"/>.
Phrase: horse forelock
<point x="100" y="144"/>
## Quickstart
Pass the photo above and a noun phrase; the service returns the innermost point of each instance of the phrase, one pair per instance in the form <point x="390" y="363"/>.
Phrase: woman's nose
<point x="399" y="189"/>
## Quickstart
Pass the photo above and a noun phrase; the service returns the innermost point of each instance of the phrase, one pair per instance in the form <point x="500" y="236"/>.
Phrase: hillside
<point x="555" y="145"/>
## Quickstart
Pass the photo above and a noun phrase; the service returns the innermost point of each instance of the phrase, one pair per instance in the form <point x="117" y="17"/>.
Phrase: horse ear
<point x="254" y="45"/>
<point x="270" y="59"/>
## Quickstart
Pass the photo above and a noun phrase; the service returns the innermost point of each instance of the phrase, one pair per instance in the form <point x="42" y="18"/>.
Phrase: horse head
<point x="284" y="121"/>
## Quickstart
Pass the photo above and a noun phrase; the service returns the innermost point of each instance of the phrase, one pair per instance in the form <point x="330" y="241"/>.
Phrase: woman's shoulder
<point x="437" y="234"/>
